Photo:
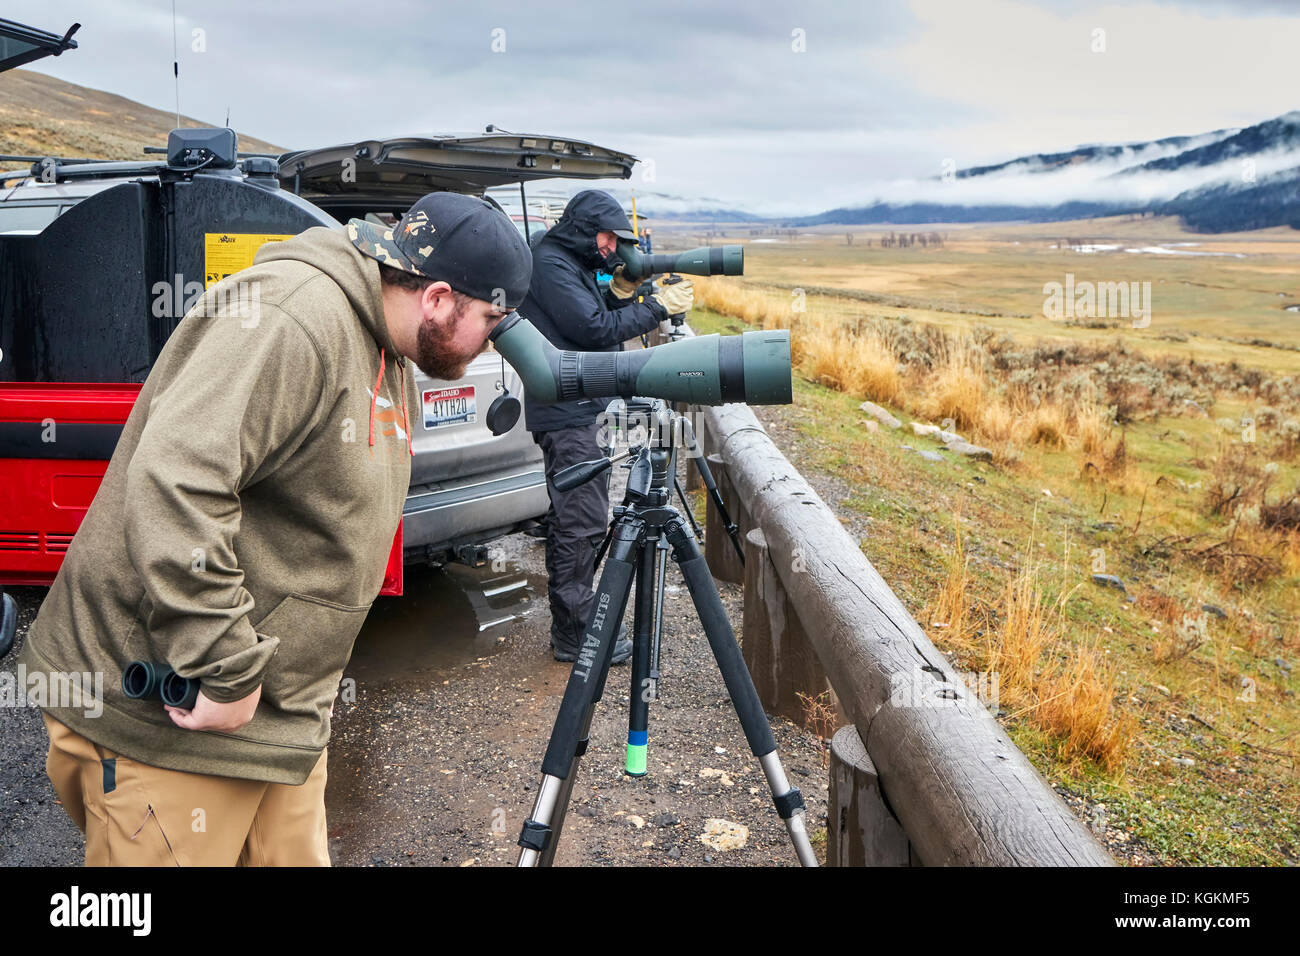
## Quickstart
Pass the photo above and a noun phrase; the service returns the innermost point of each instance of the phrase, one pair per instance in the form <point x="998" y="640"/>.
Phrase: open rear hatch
<point x="388" y="175"/>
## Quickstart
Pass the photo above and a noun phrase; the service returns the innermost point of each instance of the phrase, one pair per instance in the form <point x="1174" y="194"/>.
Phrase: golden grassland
<point x="1115" y="451"/>
<point x="1204" y="307"/>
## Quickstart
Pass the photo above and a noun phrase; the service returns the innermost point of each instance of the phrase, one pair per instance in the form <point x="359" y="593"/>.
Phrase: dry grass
<point x="1290" y="556"/>
<point x="1048" y="425"/>
<point x="1164" y="607"/>
<point x="1111" y="465"/>
<point x="1237" y="480"/>
<point x="853" y="364"/>
<point x="955" y="393"/>
<point x="949" y="384"/>
<point x="1077" y="708"/>
<point x="950" y="610"/>
<point x="1092" y="429"/>
<point x="1014" y="648"/>
<point x="1067" y="690"/>
<point x="1187" y="634"/>
<point x="822" y="718"/>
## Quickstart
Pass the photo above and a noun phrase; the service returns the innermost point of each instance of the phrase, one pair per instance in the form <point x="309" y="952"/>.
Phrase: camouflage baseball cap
<point x="467" y="242"/>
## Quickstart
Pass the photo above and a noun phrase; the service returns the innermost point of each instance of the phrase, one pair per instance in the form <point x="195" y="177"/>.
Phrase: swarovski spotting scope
<point x="704" y="261"/>
<point x="753" y="367"/>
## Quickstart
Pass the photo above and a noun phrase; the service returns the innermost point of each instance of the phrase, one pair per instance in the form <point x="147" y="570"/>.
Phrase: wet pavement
<point x="445" y="618"/>
<point x="34" y="830"/>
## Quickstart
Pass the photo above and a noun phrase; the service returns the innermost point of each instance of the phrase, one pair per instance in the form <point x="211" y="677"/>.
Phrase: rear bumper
<point x="46" y="487"/>
<point x="438" y="517"/>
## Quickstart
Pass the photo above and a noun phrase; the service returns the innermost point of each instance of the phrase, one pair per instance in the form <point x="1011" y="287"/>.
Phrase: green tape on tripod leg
<point x="637" y="746"/>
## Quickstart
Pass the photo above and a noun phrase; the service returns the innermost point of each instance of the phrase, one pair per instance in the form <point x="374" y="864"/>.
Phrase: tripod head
<point x="653" y="431"/>
<point x="652" y="474"/>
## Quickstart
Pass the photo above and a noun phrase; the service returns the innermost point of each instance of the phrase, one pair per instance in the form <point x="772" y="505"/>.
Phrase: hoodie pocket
<point x="316" y="638"/>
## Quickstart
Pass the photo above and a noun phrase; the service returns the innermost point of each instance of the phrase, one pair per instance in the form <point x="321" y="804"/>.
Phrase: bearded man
<point x="242" y="529"/>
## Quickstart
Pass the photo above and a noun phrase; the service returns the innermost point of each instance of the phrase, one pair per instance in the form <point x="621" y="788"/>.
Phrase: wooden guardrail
<point x="930" y="756"/>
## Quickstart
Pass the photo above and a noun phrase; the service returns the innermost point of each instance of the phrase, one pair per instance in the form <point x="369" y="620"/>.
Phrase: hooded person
<point x="568" y="306"/>
<point x="242" y="528"/>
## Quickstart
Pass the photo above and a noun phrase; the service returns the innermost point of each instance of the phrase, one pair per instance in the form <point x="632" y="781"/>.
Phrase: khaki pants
<point x="136" y="815"/>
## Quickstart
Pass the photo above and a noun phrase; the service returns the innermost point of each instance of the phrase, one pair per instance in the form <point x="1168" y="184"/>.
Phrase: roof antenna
<point x="176" y="67"/>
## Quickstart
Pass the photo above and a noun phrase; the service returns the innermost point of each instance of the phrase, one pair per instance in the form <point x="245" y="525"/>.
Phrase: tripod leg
<point x="661" y="576"/>
<point x="788" y="800"/>
<point x="711" y="486"/>
<point x="642" y="690"/>
<point x="586" y="684"/>
<point x="560" y="801"/>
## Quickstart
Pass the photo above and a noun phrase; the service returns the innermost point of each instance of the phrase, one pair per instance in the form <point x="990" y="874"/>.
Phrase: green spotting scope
<point x="704" y="261"/>
<point x="753" y="367"/>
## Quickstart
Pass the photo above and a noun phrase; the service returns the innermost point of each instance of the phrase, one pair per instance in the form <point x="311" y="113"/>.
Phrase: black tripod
<point x="642" y="532"/>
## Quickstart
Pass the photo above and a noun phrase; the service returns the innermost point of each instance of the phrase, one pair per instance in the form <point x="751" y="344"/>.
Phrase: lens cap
<point x="503" y="413"/>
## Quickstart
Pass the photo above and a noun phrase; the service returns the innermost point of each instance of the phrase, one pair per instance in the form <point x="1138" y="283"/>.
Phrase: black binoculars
<point x="141" y="679"/>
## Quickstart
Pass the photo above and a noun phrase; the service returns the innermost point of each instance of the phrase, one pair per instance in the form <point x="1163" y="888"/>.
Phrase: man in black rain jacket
<point x="571" y="309"/>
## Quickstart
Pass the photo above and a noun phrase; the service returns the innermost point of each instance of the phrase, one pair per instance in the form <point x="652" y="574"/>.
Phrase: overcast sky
<point x="770" y="107"/>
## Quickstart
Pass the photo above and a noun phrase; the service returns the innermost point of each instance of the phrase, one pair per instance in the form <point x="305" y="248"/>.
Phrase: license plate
<point x="450" y="406"/>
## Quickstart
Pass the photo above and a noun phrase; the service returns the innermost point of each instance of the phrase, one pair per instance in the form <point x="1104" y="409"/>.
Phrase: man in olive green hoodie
<point x="242" y="529"/>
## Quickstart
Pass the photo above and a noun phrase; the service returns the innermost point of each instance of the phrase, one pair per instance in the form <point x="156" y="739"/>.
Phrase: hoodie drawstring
<point x="374" y="398"/>
<point x="406" y="421"/>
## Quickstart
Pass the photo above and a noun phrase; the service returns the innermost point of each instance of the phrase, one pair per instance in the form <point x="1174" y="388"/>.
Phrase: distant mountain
<point x="701" y="215"/>
<point x="1224" y="180"/>
<point x="1153" y="151"/>
<point x="1273" y="200"/>
<point x="1280" y="135"/>
<point x="935" y="212"/>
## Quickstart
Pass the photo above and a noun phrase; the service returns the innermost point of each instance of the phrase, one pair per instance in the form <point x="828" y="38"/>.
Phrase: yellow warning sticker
<point x="225" y="253"/>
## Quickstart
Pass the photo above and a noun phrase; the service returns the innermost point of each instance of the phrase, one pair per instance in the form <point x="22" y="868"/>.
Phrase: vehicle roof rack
<point x="55" y="170"/>
<point x="188" y="151"/>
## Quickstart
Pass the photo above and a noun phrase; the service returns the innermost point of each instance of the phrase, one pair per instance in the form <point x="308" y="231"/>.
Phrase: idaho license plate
<point x="450" y="406"/>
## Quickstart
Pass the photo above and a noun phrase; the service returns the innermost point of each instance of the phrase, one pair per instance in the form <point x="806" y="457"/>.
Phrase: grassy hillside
<point x="41" y="115"/>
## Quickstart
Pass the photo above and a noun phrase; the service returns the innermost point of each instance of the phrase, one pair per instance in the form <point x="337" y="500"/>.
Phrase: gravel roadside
<point x="445" y="771"/>
<point x="436" y="758"/>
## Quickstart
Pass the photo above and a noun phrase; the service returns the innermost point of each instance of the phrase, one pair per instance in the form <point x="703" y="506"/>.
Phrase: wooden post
<point x="703" y="425"/>
<point x="860" y="829"/>
<point x="718" y="549"/>
<point x="693" y="481"/>
<point x="780" y="658"/>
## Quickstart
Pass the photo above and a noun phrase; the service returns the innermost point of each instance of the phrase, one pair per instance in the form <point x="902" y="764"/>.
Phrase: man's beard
<point x="435" y="345"/>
